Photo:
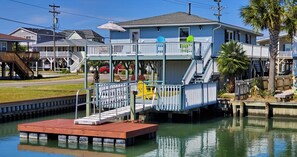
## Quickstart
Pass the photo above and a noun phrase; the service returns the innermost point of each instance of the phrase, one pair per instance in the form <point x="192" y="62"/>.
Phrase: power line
<point x="65" y="12"/>
<point x="25" y="23"/>
<point x="183" y="3"/>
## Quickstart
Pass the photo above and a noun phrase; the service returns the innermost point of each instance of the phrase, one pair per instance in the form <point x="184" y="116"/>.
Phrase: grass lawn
<point x="63" y="77"/>
<point x="10" y="94"/>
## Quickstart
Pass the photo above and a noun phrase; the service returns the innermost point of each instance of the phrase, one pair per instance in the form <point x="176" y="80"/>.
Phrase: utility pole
<point x="55" y="21"/>
<point x="219" y="8"/>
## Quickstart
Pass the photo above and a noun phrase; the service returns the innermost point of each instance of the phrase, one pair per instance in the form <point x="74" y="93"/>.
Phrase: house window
<point x="229" y="35"/>
<point x="80" y="48"/>
<point x="238" y="36"/>
<point x="287" y="47"/>
<point x="248" y="39"/>
<point x="3" y="46"/>
<point x="184" y="32"/>
<point x="28" y="37"/>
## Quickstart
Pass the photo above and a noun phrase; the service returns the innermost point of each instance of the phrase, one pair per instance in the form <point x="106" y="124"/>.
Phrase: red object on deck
<point x="122" y="130"/>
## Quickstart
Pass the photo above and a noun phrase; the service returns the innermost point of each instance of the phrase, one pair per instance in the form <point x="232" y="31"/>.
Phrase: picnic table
<point x="283" y="97"/>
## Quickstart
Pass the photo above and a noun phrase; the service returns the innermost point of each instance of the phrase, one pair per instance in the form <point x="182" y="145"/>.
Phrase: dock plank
<point x="121" y="130"/>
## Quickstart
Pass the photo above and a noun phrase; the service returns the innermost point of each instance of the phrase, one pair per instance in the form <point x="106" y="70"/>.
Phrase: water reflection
<point x="218" y="137"/>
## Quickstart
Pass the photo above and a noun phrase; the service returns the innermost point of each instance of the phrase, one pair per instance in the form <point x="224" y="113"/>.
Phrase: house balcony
<point x="148" y="50"/>
<point x="256" y="51"/>
<point x="285" y="55"/>
<point x="59" y="54"/>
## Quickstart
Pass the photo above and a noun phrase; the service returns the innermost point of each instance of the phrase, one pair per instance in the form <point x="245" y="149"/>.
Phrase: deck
<point x="119" y="130"/>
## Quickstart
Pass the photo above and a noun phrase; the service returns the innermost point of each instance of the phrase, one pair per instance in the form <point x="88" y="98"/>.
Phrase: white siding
<point x="75" y="36"/>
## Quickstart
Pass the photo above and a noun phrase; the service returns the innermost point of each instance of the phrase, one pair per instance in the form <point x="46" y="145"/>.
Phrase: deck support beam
<point x="111" y="77"/>
<point x="136" y="64"/>
<point x="3" y="69"/>
<point x="164" y="67"/>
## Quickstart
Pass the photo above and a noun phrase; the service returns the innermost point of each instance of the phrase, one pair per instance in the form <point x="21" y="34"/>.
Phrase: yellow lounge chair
<point x="143" y="91"/>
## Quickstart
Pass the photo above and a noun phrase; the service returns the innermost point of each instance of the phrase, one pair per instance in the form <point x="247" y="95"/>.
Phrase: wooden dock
<point x="118" y="133"/>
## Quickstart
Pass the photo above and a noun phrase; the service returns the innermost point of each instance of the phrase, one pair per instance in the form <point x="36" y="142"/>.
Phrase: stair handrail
<point x="207" y="55"/>
<point x="190" y="72"/>
<point x="207" y="71"/>
<point x="15" y="58"/>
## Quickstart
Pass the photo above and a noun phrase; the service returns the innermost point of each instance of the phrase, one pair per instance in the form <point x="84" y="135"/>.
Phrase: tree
<point x="232" y="62"/>
<point x="274" y="16"/>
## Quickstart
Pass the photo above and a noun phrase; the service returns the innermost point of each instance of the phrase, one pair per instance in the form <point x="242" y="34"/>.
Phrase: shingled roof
<point x="85" y="34"/>
<point x="178" y="18"/>
<point x="43" y="31"/>
<point x="4" y="37"/>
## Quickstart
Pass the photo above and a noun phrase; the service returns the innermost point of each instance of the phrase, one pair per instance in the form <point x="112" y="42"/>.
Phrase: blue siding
<point x="171" y="34"/>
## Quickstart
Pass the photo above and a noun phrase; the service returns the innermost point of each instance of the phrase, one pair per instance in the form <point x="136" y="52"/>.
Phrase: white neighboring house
<point x="36" y="35"/>
<point x="70" y="54"/>
<point x="83" y="34"/>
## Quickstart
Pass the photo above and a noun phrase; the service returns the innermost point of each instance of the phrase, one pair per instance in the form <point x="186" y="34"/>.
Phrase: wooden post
<point x="242" y="109"/>
<point x="267" y="110"/>
<point x="132" y="105"/>
<point x="234" y="109"/>
<point x="3" y="69"/>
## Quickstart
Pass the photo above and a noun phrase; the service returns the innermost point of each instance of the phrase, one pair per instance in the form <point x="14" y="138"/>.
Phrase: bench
<point x="283" y="97"/>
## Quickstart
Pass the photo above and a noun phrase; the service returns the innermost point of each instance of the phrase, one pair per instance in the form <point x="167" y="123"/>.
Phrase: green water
<point x="220" y="137"/>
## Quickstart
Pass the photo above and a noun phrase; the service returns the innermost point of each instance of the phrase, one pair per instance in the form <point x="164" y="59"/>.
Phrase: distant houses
<point x="36" y="35"/>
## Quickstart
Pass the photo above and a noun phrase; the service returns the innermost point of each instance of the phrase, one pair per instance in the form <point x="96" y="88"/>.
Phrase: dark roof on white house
<point x="178" y="19"/>
<point x="85" y="33"/>
<point x="44" y="32"/>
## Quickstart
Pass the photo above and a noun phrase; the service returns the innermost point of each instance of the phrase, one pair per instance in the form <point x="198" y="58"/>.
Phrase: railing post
<point x="88" y="106"/>
<point x="110" y="64"/>
<point x="132" y="105"/>
<point x="182" y="95"/>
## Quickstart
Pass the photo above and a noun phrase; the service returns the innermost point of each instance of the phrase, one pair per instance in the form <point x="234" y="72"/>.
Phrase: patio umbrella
<point x="112" y="26"/>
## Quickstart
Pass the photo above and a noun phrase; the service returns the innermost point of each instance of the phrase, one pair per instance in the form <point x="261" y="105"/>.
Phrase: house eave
<point x="193" y="24"/>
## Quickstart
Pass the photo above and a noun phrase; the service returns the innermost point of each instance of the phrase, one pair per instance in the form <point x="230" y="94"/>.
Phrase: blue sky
<point x="105" y="10"/>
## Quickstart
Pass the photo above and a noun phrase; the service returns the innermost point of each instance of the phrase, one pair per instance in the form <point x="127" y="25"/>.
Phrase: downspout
<point x="220" y="25"/>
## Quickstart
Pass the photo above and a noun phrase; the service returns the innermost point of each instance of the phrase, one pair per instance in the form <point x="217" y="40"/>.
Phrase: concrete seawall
<point x="38" y="107"/>
<point x="277" y="109"/>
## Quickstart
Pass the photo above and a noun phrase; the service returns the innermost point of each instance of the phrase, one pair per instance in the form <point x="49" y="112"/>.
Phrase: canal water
<point x="220" y="137"/>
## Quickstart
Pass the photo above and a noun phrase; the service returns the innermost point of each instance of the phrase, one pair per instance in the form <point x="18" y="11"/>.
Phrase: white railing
<point x="195" y="67"/>
<point x="196" y="95"/>
<point x="59" y="54"/>
<point x="208" y="72"/>
<point x="255" y="51"/>
<point x="207" y="51"/>
<point x="98" y="50"/>
<point x="170" y="48"/>
<point x="285" y="54"/>
<point x="76" y="63"/>
<point x="169" y="97"/>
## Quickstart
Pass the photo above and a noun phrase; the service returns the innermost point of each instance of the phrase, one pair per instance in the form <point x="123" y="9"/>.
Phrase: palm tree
<point x="276" y="16"/>
<point x="232" y="62"/>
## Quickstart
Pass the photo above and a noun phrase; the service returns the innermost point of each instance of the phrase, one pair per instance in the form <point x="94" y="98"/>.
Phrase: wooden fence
<point x="243" y="87"/>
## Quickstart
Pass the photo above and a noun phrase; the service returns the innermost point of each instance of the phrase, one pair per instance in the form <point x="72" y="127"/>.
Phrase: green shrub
<point x="263" y="93"/>
<point x="65" y="71"/>
<point x="39" y="76"/>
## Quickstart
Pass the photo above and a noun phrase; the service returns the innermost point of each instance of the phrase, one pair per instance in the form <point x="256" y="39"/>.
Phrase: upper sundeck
<point x="167" y="50"/>
<point x="154" y="51"/>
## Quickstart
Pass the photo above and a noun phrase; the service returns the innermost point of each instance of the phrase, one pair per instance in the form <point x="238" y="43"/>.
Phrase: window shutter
<point x="226" y="36"/>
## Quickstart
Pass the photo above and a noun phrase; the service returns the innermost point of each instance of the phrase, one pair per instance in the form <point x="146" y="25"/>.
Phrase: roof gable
<point x="178" y="18"/>
<point x="84" y="34"/>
